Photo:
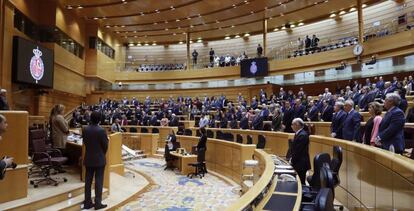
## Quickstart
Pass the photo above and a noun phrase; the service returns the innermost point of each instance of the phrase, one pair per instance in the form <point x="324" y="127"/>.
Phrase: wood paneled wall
<point x="48" y="100"/>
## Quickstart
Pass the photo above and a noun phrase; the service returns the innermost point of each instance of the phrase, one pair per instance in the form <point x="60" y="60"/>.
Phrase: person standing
<point x="300" y="149"/>
<point x="391" y="129"/>
<point x="338" y="120"/>
<point x="211" y="53"/>
<point x="259" y="50"/>
<point x="307" y="43"/>
<point x="195" y="55"/>
<point x="95" y="141"/>
<point x="352" y="122"/>
<point x="59" y="126"/>
<point x="373" y="123"/>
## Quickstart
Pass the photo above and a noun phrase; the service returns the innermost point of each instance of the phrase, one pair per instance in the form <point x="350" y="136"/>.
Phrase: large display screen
<point x="256" y="67"/>
<point x="32" y="64"/>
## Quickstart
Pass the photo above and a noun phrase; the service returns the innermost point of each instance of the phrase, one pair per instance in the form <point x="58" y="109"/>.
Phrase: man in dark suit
<point x="259" y="50"/>
<point x="299" y="109"/>
<point x="327" y="112"/>
<point x="95" y="141"/>
<point x="257" y="123"/>
<point x="352" y="122"/>
<point x="300" y="149"/>
<point x="391" y="129"/>
<point x="288" y="117"/>
<point x="211" y="53"/>
<point x="313" y="112"/>
<point x="174" y="121"/>
<point x="244" y="122"/>
<point x="338" y="120"/>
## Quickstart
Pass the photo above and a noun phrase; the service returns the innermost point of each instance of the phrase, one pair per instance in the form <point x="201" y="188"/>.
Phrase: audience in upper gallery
<point x="195" y="55"/>
<point x="3" y="100"/>
<point x="274" y="112"/>
<point x="259" y="50"/>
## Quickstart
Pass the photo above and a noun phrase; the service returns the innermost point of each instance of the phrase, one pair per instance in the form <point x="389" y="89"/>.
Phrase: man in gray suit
<point x="96" y="145"/>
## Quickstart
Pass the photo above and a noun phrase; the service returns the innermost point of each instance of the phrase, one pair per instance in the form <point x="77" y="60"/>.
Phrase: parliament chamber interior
<point x="207" y="105"/>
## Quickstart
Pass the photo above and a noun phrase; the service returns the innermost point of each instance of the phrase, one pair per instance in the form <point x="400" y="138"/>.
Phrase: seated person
<point x="116" y="126"/>
<point x="171" y="145"/>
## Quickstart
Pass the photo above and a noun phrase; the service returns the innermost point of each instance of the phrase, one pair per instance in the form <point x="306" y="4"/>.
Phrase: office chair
<point x="144" y="130"/>
<point x="323" y="201"/>
<point x="200" y="166"/>
<point x="228" y="137"/>
<point x="326" y="181"/>
<point x="267" y="127"/>
<point x="335" y="165"/>
<point x="210" y="134"/>
<point x="46" y="159"/>
<point x="133" y="130"/>
<point x="219" y="135"/>
<point x="155" y="130"/>
<point x="239" y="139"/>
<point x="249" y="139"/>
<point x="188" y="132"/>
<point x="261" y="143"/>
<point x="318" y="162"/>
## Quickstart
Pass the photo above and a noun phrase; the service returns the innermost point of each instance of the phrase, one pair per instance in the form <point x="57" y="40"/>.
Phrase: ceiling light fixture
<point x="247" y="34"/>
<point x="227" y="38"/>
<point x="181" y="42"/>
<point x="154" y="43"/>
<point x="301" y="24"/>
<point x="177" y="20"/>
<point x="284" y="27"/>
<point x="139" y="44"/>
<point x="95" y="18"/>
<point x="107" y="26"/>
<point x="79" y="7"/>
<point x="199" y="41"/>
<point x="332" y="15"/>
<point x="237" y="36"/>
<point x="342" y="12"/>
<point x="276" y="29"/>
<point x="69" y="7"/>
<point x="352" y="9"/>
<point x="292" y="26"/>
<point x="146" y="44"/>
<point x="364" y="5"/>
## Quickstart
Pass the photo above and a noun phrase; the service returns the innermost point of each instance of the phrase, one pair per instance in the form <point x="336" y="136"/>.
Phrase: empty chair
<point x="210" y="134"/>
<point x="200" y="165"/>
<point x="144" y="130"/>
<point x="261" y="142"/>
<point x="155" y="130"/>
<point x="239" y="138"/>
<point x="188" y="132"/>
<point x="322" y="202"/>
<point x="249" y="139"/>
<point x="318" y="162"/>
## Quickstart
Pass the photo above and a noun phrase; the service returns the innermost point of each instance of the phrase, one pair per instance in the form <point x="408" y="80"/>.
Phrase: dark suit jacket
<point x="391" y="130"/>
<point x="202" y="143"/>
<point x="174" y="122"/>
<point x="327" y="114"/>
<point x="351" y="126"/>
<point x="257" y="123"/>
<point x="313" y="113"/>
<point x="299" y="112"/>
<point x="288" y="117"/>
<point x="337" y="123"/>
<point x="300" y="152"/>
<point x="244" y="123"/>
<point x="96" y="145"/>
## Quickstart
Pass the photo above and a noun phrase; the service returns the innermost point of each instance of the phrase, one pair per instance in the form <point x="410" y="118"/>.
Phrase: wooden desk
<point x="183" y="161"/>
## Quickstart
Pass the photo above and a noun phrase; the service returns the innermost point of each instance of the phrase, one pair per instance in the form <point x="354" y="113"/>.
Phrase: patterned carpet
<point x="175" y="192"/>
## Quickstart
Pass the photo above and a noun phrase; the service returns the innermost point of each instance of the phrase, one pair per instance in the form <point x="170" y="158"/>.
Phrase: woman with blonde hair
<point x="59" y="127"/>
<point x="373" y="123"/>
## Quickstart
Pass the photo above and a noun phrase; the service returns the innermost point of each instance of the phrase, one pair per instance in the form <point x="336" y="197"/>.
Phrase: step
<point x="129" y="157"/>
<point x="38" y="202"/>
<point x="73" y="203"/>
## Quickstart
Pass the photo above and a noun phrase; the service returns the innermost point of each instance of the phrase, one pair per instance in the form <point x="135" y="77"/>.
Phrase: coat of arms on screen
<point x="36" y="65"/>
<point x="253" y="68"/>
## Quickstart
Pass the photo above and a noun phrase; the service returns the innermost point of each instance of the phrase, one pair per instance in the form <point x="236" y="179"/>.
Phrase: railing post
<point x="187" y="42"/>
<point x="360" y="22"/>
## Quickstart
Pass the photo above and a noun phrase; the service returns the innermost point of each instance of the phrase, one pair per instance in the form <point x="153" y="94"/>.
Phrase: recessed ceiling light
<point x="183" y="32"/>
<point x="364" y="5"/>
<point x="172" y="8"/>
<point x="332" y="15"/>
<point x="135" y="36"/>
<point x="69" y="7"/>
<point x="342" y="12"/>
<point x="124" y="1"/>
<point x="142" y="13"/>
<point x="177" y="20"/>
<point x="191" y="41"/>
<point x="79" y="7"/>
<point x="117" y="32"/>
<point x="352" y="9"/>
<point x="301" y="24"/>
<point x="199" y="15"/>
<point x="131" y="44"/>
<point x="232" y="26"/>
<point x="95" y="18"/>
<point x="191" y="26"/>
<point x="181" y="42"/>
<point x="281" y="14"/>
<point x="154" y="43"/>
<point x="155" y="23"/>
<point x="251" y="12"/>
<point x="146" y="44"/>
<point x="247" y="34"/>
<point x="174" y="34"/>
<point x="107" y="26"/>
<point x="123" y="26"/>
<point x="139" y="44"/>
<point x="166" y="29"/>
<point x="237" y="36"/>
<point x="234" y="6"/>
<point x="276" y="29"/>
<point x="199" y="41"/>
<point x="227" y="38"/>
<point x="292" y="26"/>
<point x="283" y="28"/>
<point x="189" y="18"/>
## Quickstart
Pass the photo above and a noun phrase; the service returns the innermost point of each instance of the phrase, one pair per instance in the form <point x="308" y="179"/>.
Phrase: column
<point x="264" y="36"/>
<point x="360" y="22"/>
<point x="187" y="42"/>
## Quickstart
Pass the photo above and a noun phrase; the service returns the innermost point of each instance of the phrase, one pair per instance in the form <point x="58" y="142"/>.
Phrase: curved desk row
<point x="370" y="177"/>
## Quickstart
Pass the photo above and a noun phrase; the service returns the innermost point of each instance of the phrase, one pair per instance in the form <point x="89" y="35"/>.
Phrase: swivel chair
<point x="239" y="139"/>
<point x="261" y="143"/>
<point x="318" y="162"/>
<point x="188" y="132"/>
<point x="249" y="139"/>
<point x="335" y="165"/>
<point x="200" y="165"/>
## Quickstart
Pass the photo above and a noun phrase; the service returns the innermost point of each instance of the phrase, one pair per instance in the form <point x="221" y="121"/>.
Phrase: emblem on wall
<point x="253" y="68"/>
<point x="36" y="65"/>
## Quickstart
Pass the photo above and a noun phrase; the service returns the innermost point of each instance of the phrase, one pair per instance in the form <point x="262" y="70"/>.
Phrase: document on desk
<point x="284" y="167"/>
<point x="284" y="171"/>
